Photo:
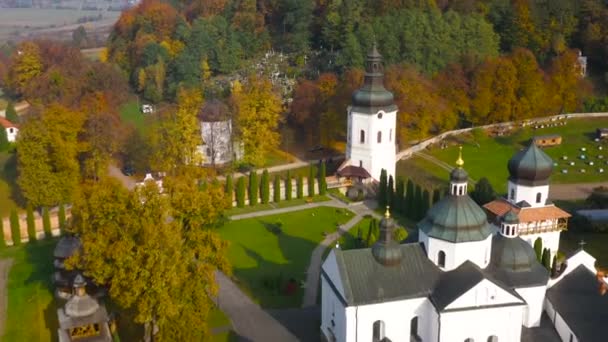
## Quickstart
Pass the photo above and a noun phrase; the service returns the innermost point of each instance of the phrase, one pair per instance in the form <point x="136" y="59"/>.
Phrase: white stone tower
<point x="372" y="120"/>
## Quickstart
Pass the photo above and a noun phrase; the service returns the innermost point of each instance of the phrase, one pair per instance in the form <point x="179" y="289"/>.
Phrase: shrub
<point x="46" y="223"/>
<point x="538" y="249"/>
<point x="265" y="187"/>
<point x="240" y="192"/>
<point x="15" y="228"/>
<point x="31" y="223"/>
<point x="61" y="217"/>
<point x="288" y="187"/>
<point x="253" y="188"/>
<point x="229" y="190"/>
<point x="322" y="180"/>
<point x="311" y="181"/>
<point x="276" y="197"/>
<point x="547" y="259"/>
<point x="398" y="201"/>
<point x="409" y="199"/>
<point x="382" y="189"/>
<point x="300" y="185"/>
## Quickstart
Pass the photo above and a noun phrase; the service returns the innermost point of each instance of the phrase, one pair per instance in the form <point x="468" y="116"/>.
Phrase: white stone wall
<point x="550" y="240"/>
<point x="528" y="194"/>
<point x="563" y="330"/>
<point x="11" y="134"/>
<point x="370" y="154"/>
<point x="333" y="314"/>
<point x="502" y="322"/>
<point x="478" y="252"/>
<point x="534" y="297"/>
<point x="294" y="190"/>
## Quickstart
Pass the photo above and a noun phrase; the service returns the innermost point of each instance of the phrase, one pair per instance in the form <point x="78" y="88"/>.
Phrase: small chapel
<point x="472" y="275"/>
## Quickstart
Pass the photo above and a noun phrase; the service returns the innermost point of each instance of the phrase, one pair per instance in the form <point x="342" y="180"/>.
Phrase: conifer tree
<point x="409" y="199"/>
<point x="265" y="187"/>
<point x="46" y="223"/>
<point x="229" y="189"/>
<point x="398" y="202"/>
<point x="554" y="266"/>
<point x="300" y="187"/>
<point x="31" y="223"/>
<point x="390" y="191"/>
<point x="370" y="239"/>
<point x="322" y="180"/>
<point x="436" y="196"/>
<point x="538" y="249"/>
<point x="418" y="203"/>
<point x="15" y="228"/>
<point x="288" y="186"/>
<point x="547" y="259"/>
<point x="311" y="181"/>
<point x="2" y="241"/>
<point x="426" y="202"/>
<point x="253" y="188"/>
<point x="240" y="192"/>
<point x="61" y="218"/>
<point x="382" y="189"/>
<point x="276" y="189"/>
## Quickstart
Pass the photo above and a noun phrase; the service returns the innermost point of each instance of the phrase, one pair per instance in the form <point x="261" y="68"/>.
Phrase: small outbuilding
<point x="548" y="140"/>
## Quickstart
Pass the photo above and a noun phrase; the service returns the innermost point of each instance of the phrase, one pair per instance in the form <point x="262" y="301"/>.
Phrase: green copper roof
<point x="510" y="218"/>
<point x="514" y="263"/>
<point x="456" y="219"/>
<point x="459" y="175"/>
<point x="530" y="165"/>
<point x="386" y="251"/>
<point x="372" y="96"/>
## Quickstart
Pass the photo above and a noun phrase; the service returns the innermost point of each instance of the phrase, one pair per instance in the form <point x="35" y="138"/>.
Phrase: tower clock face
<point x="379" y="115"/>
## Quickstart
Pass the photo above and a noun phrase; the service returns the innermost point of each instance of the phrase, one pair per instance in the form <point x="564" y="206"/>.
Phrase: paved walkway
<point x="331" y="203"/>
<point x="5" y="266"/>
<point x="249" y="321"/>
<point x="126" y="181"/>
<point x="439" y="163"/>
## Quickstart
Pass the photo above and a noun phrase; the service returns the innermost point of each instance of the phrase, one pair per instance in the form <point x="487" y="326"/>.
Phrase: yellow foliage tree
<point x="25" y="65"/>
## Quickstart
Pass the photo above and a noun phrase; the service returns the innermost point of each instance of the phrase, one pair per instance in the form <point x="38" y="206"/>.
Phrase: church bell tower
<point x="372" y="120"/>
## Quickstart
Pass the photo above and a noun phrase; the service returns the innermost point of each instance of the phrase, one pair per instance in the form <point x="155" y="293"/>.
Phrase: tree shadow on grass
<point x="9" y="175"/>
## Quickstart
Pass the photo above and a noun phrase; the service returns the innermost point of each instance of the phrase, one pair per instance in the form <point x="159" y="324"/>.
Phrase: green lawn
<point x="130" y="112"/>
<point x="488" y="157"/>
<point x="31" y="313"/>
<point x="8" y="186"/>
<point x="283" y="204"/>
<point x="261" y="257"/>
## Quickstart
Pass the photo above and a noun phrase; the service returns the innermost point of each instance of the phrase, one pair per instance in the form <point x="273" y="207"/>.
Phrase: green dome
<point x="386" y="251"/>
<point x="459" y="175"/>
<point x="531" y="165"/>
<point x="372" y="96"/>
<point x="513" y="254"/>
<point x="456" y="219"/>
<point x="510" y="218"/>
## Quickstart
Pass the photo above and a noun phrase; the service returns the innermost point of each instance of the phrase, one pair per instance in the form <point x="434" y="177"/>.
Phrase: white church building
<point x="466" y="278"/>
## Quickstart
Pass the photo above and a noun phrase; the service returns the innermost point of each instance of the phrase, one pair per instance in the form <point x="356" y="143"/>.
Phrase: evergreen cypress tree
<point x="538" y="249"/>
<point x="300" y="187"/>
<point x="390" y="191"/>
<point x="398" y="202"/>
<point x="382" y="189"/>
<point x="229" y="189"/>
<point x="253" y="188"/>
<point x="46" y="223"/>
<point x="311" y="181"/>
<point x="426" y="202"/>
<point x="554" y="266"/>
<point x="409" y="199"/>
<point x="276" y="189"/>
<point x="61" y="217"/>
<point x="370" y="239"/>
<point x="322" y="180"/>
<point x="2" y="241"/>
<point x="417" y="210"/>
<point x="547" y="259"/>
<point x="288" y="186"/>
<point x="265" y="187"/>
<point x="15" y="228"/>
<point x="436" y="196"/>
<point x="240" y="192"/>
<point x="31" y="223"/>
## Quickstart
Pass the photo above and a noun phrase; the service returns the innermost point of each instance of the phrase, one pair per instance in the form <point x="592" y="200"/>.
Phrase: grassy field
<point x="130" y="112"/>
<point x="282" y="204"/>
<point x="488" y="157"/>
<point x="261" y="256"/>
<point x="8" y="187"/>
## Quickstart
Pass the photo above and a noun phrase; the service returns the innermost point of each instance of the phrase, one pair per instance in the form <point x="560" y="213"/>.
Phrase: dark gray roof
<point x="455" y="283"/>
<point x="514" y="263"/>
<point x="66" y="246"/>
<point x="459" y="175"/>
<point x="456" y="219"/>
<point x="386" y="250"/>
<point x="510" y="217"/>
<point x="577" y="299"/>
<point x="367" y="281"/>
<point x="372" y="96"/>
<point x="531" y="166"/>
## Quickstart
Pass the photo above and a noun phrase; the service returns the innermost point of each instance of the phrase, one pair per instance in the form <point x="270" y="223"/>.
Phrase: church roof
<point x="531" y="166"/>
<point x="456" y="219"/>
<point x="367" y="281"/>
<point x="514" y="263"/>
<point x="372" y="96"/>
<point x="353" y="171"/>
<point x="577" y="299"/>
<point x="67" y="245"/>
<point x="500" y="207"/>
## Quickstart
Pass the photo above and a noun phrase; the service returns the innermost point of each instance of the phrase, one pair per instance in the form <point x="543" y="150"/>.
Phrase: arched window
<point x="378" y="331"/>
<point x="512" y="196"/>
<point x="538" y="196"/>
<point x="493" y="338"/>
<point x="414" y="328"/>
<point x="379" y="137"/>
<point x="460" y="190"/>
<point x="362" y="137"/>
<point x="454" y="189"/>
<point x="441" y="259"/>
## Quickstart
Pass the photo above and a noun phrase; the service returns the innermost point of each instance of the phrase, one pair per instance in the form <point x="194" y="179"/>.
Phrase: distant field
<point x="488" y="157"/>
<point x="20" y="23"/>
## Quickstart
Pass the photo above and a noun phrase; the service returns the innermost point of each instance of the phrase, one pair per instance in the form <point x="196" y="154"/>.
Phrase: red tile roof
<point x="353" y="171"/>
<point x="6" y="124"/>
<point x="500" y="207"/>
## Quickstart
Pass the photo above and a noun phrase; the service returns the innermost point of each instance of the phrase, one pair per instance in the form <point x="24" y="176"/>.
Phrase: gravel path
<point x="5" y="266"/>
<point x="126" y="181"/>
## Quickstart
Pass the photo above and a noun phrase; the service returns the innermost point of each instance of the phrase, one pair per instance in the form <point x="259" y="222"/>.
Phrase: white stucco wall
<point x="485" y="293"/>
<point x="534" y="297"/>
<point x="550" y="239"/>
<point x="528" y="194"/>
<point x="11" y="133"/>
<point x="502" y="322"/>
<point x="478" y="252"/>
<point x="333" y="313"/>
<point x="372" y="155"/>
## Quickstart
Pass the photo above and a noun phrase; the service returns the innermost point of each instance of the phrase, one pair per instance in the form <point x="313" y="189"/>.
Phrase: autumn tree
<point x="567" y="87"/>
<point x="11" y="113"/>
<point x="25" y="65"/>
<point x="160" y="269"/>
<point x="258" y="111"/>
<point x="47" y="156"/>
